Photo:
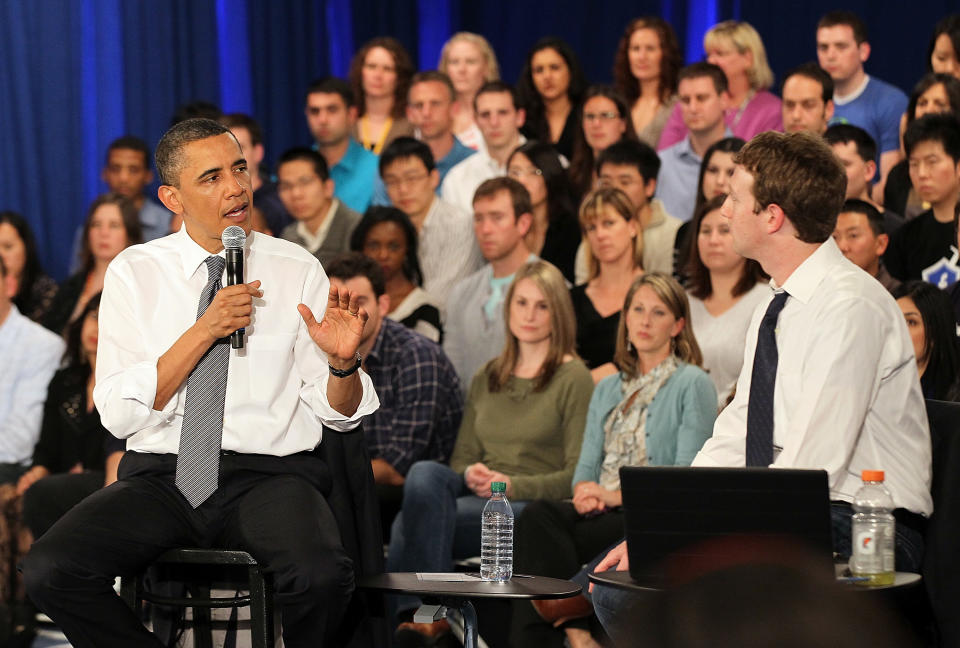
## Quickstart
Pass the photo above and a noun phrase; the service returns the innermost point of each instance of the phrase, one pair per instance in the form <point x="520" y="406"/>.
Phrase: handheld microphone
<point x="233" y="239"/>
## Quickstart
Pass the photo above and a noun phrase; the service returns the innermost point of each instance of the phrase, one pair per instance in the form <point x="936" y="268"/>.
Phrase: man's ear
<point x="521" y="117"/>
<point x="883" y="240"/>
<point x="775" y="218"/>
<point x="383" y="303"/>
<point x="864" y="49"/>
<point x="650" y="188"/>
<point x="870" y="170"/>
<point x="170" y="197"/>
<point x="258" y="154"/>
<point x="828" y="110"/>
<point x="352" y="115"/>
<point x="524" y="222"/>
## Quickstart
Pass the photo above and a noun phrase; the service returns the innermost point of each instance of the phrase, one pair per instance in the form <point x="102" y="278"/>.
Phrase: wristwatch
<point x="343" y="373"/>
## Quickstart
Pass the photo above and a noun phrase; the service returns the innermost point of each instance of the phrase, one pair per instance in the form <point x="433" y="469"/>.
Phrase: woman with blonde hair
<point x="657" y="410"/>
<point x="380" y="74"/>
<point x="522" y="425"/>
<point x="613" y="241"/>
<point x="469" y="61"/>
<point x="737" y="49"/>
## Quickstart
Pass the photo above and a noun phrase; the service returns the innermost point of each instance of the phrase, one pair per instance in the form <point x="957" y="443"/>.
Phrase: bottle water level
<point x="496" y="547"/>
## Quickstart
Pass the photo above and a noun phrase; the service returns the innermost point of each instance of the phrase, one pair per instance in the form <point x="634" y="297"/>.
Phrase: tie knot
<point x="214" y="268"/>
<point x="773" y="310"/>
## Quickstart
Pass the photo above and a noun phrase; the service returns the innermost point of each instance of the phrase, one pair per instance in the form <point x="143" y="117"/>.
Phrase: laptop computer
<point x="689" y="514"/>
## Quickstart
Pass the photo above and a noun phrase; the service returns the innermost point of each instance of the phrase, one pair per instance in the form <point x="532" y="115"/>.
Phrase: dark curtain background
<point x="75" y="74"/>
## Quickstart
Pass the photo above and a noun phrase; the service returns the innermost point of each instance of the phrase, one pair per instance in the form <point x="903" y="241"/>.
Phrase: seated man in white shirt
<point x="447" y="249"/>
<point x="29" y="354"/>
<point x="499" y="117"/>
<point x="220" y="443"/>
<point x="835" y="385"/>
<point x="323" y="223"/>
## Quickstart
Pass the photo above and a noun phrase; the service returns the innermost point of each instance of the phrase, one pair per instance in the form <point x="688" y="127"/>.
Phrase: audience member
<point x="703" y="100"/>
<point x="447" y="250"/>
<point x="645" y="70"/>
<point x="715" y="173"/>
<point x="857" y="151"/>
<point x="807" y="99"/>
<point x="265" y="196"/>
<point x="35" y="289"/>
<point x="323" y="223"/>
<point x="656" y="411"/>
<point x="420" y="398"/>
<point x="522" y="425"/>
<point x="614" y="245"/>
<point x="943" y="54"/>
<point x="554" y="233"/>
<point x="430" y="110"/>
<point x="751" y="108"/>
<point x="839" y="332"/>
<point x="925" y="247"/>
<point x="331" y="116"/>
<point x="605" y="120"/>
<point x="930" y="319"/>
<point x="934" y="93"/>
<point x="75" y="456"/>
<point x="632" y="167"/>
<point x="380" y="75"/>
<point x="861" y="237"/>
<point x="858" y="98"/>
<point x="469" y="61"/>
<point x="724" y="290"/>
<point x="30" y="355"/>
<point x="550" y="89"/>
<point x="127" y="172"/>
<point x="111" y="226"/>
<point x="386" y="235"/>
<point x="501" y="218"/>
<point x="499" y="117"/>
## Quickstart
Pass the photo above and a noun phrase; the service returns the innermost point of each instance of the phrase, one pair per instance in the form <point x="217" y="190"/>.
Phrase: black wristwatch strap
<point x="343" y="373"/>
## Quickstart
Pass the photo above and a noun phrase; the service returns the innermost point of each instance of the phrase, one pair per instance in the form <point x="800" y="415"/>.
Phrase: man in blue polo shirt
<point x="331" y="113"/>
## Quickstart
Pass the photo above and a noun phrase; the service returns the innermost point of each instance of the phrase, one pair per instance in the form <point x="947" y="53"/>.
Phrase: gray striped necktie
<point x="198" y="463"/>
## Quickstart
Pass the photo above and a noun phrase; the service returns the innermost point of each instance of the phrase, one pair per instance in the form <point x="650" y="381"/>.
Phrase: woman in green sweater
<point x="523" y="425"/>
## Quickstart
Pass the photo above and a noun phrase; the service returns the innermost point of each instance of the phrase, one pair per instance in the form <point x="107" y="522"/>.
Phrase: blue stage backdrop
<point x="78" y="73"/>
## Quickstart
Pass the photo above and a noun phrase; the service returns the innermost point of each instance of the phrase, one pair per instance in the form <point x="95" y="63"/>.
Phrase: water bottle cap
<point x="872" y="475"/>
<point x="498" y="487"/>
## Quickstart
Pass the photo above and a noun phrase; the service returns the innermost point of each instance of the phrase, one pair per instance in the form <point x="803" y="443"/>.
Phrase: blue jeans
<point x="439" y="522"/>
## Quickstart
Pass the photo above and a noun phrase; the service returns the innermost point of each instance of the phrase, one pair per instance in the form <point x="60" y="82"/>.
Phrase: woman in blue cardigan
<point x="657" y="410"/>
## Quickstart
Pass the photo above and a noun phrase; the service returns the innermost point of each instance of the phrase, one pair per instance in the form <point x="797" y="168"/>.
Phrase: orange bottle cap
<point x="872" y="475"/>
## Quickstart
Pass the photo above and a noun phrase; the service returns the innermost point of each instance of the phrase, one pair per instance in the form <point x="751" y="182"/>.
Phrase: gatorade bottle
<point x="872" y="530"/>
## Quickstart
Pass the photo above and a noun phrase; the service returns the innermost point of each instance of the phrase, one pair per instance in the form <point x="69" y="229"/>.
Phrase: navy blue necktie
<point x="762" y="383"/>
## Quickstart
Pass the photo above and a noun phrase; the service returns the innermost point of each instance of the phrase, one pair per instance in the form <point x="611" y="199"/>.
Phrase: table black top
<point x="623" y="580"/>
<point x="518" y="587"/>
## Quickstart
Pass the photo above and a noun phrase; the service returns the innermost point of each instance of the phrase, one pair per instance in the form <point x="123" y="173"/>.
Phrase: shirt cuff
<point x="140" y="385"/>
<point x="369" y="403"/>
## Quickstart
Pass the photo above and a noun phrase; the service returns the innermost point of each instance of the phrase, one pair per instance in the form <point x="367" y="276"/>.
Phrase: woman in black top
<point x="35" y="290"/>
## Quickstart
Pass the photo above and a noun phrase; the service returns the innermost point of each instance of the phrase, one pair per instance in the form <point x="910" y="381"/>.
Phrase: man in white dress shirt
<point x="269" y="488"/>
<point x="499" y="117"/>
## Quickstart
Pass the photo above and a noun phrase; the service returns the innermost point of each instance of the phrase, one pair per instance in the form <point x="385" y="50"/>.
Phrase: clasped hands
<point x="479" y="479"/>
<point x="590" y="497"/>
<point x="337" y="334"/>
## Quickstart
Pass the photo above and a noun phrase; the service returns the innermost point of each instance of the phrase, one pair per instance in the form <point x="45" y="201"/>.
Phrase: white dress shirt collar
<point x="803" y="282"/>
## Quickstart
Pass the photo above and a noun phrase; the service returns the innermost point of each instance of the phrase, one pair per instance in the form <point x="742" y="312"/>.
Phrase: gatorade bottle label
<point x="866" y="543"/>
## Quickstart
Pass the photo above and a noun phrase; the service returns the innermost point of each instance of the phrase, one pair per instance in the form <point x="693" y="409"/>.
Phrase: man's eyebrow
<point x="208" y="172"/>
<point x="239" y="161"/>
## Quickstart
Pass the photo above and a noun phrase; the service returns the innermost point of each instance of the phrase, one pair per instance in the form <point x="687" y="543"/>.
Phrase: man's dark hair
<point x="843" y="133"/>
<point x="519" y="196"/>
<point x="631" y="153"/>
<point x="130" y="143"/>
<point x="332" y="85"/>
<point x="800" y="173"/>
<point x="942" y="127"/>
<point x="704" y="69"/>
<point x="848" y="18"/>
<point x="307" y="155"/>
<point x="169" y="154"/>
<point x="349" y="265"/>
<point x="240" y="120"/>
<point x="815" y="73"/>
<point x="406" y="147"/>
<point x="874" y="217"/>
<point x="497" y="87"/>
<point x="196" y="110"/>
<point x="434" y="75"/>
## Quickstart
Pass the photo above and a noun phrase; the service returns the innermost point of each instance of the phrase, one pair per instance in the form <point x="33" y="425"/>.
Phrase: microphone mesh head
<point x="233" y="237"/>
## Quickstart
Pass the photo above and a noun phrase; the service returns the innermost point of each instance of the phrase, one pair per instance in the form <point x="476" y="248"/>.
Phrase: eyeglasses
<point x="603" y="116"/>
<point x="517" y="174"/>
<point x="302" y="183"/>
<point x="393" y="182"/>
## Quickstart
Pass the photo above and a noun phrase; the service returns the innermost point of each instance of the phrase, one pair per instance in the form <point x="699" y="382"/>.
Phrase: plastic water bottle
<point x="872" y="530"/>
<point x="496" y="536"/>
